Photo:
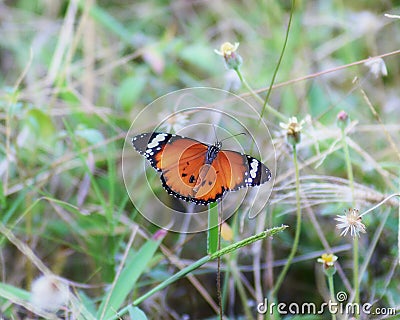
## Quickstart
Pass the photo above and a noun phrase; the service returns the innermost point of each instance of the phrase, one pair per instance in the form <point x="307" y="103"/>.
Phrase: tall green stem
<point x="332" y="292"/>
<point x="355" y="239"/>
<point x="258" y="98"/>
<point x="298" y="228"/>
<point x="265" y="104"/>
<point x="355" y="272"/>
<point x="212" y="233"/>
<point x="348" y="165"/>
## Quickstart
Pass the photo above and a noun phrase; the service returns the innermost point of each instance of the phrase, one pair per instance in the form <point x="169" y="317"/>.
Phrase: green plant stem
<point x="332" y="292"/>
<point x="241" y="291"/>
<point x="355" y="239"/>
<point x="298" y="229"/>
<point x="348" y="165"/>
<point x="212" y="232"/>
<point x="246" y="84"/>
<point x="265" y="104"/>
<point x="258" y="98"/>
<point x="214" y="244"/>
<point x="28" y="231"/>
<point x="355" y="271"/>
<point x="199" y="263"/>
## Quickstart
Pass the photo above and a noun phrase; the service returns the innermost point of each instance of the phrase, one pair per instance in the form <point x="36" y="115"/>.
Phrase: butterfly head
<point x="212" y="152"/>
<point x="218" y="144"/>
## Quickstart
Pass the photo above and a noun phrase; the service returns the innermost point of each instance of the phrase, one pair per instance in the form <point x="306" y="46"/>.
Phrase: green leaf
<point x="8" y="212"/>
<point x="318" y="100"/>
<point x="10" y="292"/>
<point x="37" y="129"/>
<point x="130" y="90"/>
<point x="40" y="122"/>
<point x="92" y="136"/>
<point x="136" y="313"/>
<point x="69" y="97"/>
<point x="87" y="302"/>
<point x="135" y="265"/>
<point x="201" y="56"/>
<point x="183" y="272"/>
<point x="2" y="197"/>
<point x="19" y="296"/>
<point x="103" y="18"/>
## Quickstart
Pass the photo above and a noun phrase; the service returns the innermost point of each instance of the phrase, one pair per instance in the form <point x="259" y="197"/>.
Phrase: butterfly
<point x="198" y="172"/>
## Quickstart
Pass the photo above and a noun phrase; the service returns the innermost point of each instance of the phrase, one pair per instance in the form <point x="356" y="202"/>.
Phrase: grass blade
<point x="135" y="265"/>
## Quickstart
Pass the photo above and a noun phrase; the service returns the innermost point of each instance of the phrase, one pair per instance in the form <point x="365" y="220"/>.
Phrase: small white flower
<point x="293" y="125"/>
<point x="292" y="130"/>
<point x="232" y="59"/>
<point x="350" y="221"/>
<point x="49" y="293"/>
<point x="377" y="67"/>
<point x="174" y="122"/>
<point x="328" y="260"/>
<point x="227" y="49"/>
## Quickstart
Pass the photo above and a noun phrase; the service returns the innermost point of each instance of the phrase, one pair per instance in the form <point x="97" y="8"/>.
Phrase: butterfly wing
<point x="179" y="159"/>
<point x="230" y="171"/>
<point x="239" y="170"/>
<point x="151" y="145"/>
<point x="185" y="173"/>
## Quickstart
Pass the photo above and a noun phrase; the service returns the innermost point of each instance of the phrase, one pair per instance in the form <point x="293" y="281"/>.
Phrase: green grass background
<point x="74" y="74"/>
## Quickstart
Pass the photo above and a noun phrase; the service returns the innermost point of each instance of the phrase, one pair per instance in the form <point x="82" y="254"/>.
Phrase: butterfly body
<point x="197" y="172"/>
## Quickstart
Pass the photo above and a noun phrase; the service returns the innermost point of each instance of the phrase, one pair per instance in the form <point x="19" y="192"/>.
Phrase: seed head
<point x="351" y="220"/>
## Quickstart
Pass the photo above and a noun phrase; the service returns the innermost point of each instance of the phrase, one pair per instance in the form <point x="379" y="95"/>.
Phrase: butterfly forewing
<point x="181" y="163"/>
<point x="180" y="151"/>
<point x="151" y="145"/>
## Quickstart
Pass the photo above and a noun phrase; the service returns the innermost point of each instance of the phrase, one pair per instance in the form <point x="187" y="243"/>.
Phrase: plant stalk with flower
<point x="342" y="122"/>
<point x="293" y="136"/>
<point x="233" y="61"/>
<point x="293" y="129"/>
<point x="328" y="263"/>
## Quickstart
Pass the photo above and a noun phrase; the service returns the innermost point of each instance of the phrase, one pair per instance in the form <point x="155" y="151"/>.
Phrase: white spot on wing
<point x="254" y="167"/>
<point x="156" y="140"/>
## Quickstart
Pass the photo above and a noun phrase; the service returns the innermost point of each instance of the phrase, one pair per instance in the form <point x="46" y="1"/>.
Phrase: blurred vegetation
<point x="74" y="75"/>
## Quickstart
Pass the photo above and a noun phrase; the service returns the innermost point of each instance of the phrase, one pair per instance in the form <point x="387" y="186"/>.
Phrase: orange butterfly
<point x="197" y="172"/>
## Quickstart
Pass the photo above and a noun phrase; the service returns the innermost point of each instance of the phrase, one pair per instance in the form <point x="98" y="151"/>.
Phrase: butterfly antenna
<point x="215" y="133"/>
<point x="235" y="135"/>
